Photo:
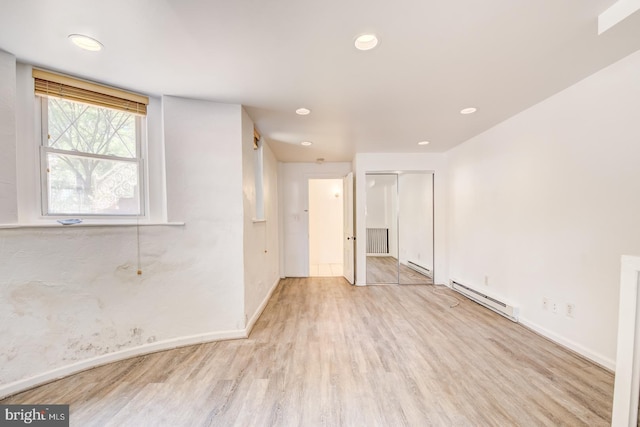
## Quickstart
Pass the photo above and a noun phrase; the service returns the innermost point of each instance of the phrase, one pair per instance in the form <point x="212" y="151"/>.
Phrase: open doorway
<point x="326" y="247"/>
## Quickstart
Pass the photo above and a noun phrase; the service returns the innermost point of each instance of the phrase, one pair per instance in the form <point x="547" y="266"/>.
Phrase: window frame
<point x="42" y="118"/>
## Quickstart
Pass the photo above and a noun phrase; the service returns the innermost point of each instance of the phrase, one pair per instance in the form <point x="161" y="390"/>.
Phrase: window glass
<point x="91" y="160"/>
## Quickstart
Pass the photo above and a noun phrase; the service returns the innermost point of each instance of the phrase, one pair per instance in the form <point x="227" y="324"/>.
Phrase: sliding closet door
<point x="382" y="228"/>
<point x="415" y="222"/>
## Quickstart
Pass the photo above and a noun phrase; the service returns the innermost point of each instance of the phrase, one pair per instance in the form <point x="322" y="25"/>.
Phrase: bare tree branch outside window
<point x="93" y="160"/>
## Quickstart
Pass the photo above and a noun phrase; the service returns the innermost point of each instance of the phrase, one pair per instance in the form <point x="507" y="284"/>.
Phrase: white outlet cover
<point x="571" y="309"/>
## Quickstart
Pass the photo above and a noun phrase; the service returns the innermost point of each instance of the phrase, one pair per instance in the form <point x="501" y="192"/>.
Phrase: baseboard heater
<point x="420" y="269"/>
<point x="498" y="306"/>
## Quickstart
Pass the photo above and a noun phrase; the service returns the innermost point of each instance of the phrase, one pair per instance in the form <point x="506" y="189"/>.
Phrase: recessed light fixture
<point x="469" y="110"/>
<point x="303" y="111"/>
<point x="85" y="42"/>
<point x="306" y="143"/>
<point x="423" y="143"/>
<point x="366" y="42"/>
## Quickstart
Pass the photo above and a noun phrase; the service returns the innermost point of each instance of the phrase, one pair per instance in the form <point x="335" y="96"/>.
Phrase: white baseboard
<point x="93" y="362"/>
<point x="605" y="362"/>
<point x="261" y="308"/>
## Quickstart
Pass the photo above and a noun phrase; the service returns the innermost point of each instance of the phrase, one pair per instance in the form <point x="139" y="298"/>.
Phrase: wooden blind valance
<point x="60" y="86"/>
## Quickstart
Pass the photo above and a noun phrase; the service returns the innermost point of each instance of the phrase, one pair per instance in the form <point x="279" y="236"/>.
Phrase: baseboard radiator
<point x="377" y="241"/>
<point x="420" y="269"/>
<point x="491" y="303"/>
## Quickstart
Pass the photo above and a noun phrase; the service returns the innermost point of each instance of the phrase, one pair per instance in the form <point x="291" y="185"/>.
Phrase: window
<point x="258" y="168"/>
<point x="91" y="150"/>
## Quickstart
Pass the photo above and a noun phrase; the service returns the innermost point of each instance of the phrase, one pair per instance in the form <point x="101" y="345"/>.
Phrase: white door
<point x="349" y="238"/>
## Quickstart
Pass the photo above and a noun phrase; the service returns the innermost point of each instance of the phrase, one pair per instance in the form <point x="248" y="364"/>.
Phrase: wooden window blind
<point x="60" y="86"/>
<point x="256" y="138"/>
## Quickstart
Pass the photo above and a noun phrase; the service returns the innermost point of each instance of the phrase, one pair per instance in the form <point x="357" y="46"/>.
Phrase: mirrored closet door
<point x="399" y="222"/>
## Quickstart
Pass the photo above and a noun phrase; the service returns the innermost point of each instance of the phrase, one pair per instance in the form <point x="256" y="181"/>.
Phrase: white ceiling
<point x="434" y="58"/>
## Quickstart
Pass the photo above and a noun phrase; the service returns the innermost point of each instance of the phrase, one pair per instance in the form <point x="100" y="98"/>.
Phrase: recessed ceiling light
<point x="303" y="111"/>
<point x="366" y="42"/>
<point x="469" y="110"/>
<point x="86" y="42"/>
<point x="306" y="143"/>
<point x="423" y="143"/>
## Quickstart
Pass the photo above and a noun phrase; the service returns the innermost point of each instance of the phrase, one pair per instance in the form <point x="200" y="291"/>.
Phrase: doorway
<point x="326" y="221"/>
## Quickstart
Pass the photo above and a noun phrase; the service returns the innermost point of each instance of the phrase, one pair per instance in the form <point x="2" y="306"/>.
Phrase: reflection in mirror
<point x="382" y="228"/>
<point x="415" y="219"/>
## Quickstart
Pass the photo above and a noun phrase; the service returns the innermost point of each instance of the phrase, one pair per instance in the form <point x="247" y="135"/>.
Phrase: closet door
<point x="382" y="228"/>
<point x="415" y="225"/>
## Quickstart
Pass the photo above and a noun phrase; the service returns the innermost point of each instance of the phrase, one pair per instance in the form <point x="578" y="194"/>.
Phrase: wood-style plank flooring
<point x="384" y="270"/>
<point x="325" y="353"/>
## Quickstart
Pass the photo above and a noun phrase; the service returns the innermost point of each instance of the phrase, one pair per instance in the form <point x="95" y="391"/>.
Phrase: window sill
<point x="256" y="221"/>
<point x="90" y="223"/>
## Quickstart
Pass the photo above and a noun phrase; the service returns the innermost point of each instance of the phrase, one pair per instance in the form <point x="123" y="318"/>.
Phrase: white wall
<point x="415" y="199"/>
<point x="389" y="162"/>
<point x="70" y="297"/>
<point x="260" y="238"/>
<point x="377" y="207"/>
<point x="294" y="199"/>
<point x="326" y="245"/>
<point x="204" y="189"/>
<point x="382" y="207"/>
<point x="545" y="204"/>
<point x="8" y="195"/>
<point x="27" y="129"/>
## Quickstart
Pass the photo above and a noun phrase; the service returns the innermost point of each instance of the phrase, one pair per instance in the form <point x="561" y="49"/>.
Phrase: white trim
<point x="45" y="149"/>
<point x="261" y="307"/>
<point x="627" y="381"/>
<point x="82" y="154"/>
<point x="64" y="371"/>
<point x="599" y="359"/>
<point x="93" y="223"/>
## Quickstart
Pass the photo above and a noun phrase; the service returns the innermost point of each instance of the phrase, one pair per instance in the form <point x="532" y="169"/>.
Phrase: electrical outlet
<point x="545" y="303"/>
<point x="571" y="308"/>
<point x="486" y="280"/>
<point x="554" y="307"/>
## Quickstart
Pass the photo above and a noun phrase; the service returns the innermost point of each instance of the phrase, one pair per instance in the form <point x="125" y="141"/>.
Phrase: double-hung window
<point x="91" y="148"/>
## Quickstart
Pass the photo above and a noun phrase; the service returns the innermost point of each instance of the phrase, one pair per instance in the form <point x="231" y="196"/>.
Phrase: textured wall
<point x="8" y="195"/>
<point x="260" y="239"/>
<point x="70" y="294"/>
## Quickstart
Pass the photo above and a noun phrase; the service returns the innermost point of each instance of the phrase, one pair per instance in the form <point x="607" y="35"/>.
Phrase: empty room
<point x="301" y="213"/>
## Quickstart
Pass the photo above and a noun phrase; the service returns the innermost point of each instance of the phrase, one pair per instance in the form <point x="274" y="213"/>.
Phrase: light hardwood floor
<point x="325" y="353"/>
<point x="384" y="270"/>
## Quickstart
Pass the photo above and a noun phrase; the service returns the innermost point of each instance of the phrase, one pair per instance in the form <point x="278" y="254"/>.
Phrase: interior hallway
<point x="326" y="270"/>
<point x="327" y="353"/>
